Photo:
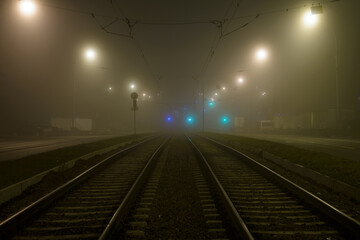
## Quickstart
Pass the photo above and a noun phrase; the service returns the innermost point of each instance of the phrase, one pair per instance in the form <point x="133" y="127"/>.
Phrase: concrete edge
<point x="335" y="185"/>
<point x="18" y="188"/>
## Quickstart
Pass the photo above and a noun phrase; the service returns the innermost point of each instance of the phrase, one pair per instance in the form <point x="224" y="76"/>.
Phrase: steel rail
<point x="125" y="205"/>
<point x="349" y="225"/>
<point x="13" y="222"/>
<point x="238" y="222"/>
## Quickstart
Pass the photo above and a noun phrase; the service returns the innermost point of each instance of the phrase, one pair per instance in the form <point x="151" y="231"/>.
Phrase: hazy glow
<point x="216" y="94"/>
<point x="310" y="19"/>
<point x="211" y="104"/>
<point x="27" y="7"/>
<point x="263" y="94"/>
<point x="90" y="54"/>
<point x="144" y="94"/>
<point x="223" y="88"/>
<point x="240" y="80"/>
<point x="261" y="54"/>
<point x="110" y="88"/>
<point x="212" y="99"/>
<point x="132" y="86"/>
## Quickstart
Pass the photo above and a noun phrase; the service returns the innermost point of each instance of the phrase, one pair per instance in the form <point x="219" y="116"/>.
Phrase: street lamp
<point x="261" y="54"/>
<point x="310" y="19"/>
<point x="27" y="7"/>
<point x="240" y="80"/>
<point x="313" y="14"/>
<point x="90" y="54"/>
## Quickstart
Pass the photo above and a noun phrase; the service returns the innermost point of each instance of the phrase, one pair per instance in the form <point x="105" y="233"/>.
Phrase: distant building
<point x="66" y="124"/>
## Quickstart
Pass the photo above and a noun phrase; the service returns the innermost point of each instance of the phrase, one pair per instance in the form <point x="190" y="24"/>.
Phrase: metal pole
<point x="337" y="94"/>
<point x="73" y="107"/>
<point x="134" y="121"/>
<point x="203" y="110"/>
<point x="134" y="96"/>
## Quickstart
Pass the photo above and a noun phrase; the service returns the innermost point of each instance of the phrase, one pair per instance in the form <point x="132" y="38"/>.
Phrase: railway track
<point x="82" y="208"/>
<point x="129" y="201"/>
<point x="267" y="205"/>
<point x="160" y="189"/>
<point x="177" y="202"/>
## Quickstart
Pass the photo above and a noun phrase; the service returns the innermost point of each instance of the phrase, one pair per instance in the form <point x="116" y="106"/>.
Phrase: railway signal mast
<point x="134" y="97"/>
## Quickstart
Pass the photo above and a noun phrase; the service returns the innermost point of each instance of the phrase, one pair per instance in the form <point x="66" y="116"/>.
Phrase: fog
<point x="173" y="54"/>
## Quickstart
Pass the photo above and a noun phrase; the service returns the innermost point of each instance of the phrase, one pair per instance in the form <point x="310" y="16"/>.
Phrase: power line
<point x="131" y="24"/>
<point x="181" y="21"/>
<point x="105" y="28"/>
<point x="217" y="40"/>
<point x="219" y="23"/>
<point x="238" y="28"/>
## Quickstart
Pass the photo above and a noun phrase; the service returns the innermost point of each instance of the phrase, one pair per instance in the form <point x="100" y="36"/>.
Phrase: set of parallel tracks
<point x="84" y="207"/>
<point x="114" y="199"/>
<point x="265" y="205"/>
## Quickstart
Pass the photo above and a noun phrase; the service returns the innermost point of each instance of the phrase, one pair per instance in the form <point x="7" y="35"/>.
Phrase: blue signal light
<point x="224" y="120"/>
<point x="189" y="120"/>
<point x="168" y="119"/>
<point x="211" y="104"/>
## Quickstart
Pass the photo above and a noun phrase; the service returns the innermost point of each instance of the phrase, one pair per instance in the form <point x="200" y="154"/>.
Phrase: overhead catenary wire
<point x="181" y="22"/>
<point x="219" y="23"/>
<point x="105" y="28"/>
<point x="218" y="38"/>
<point x="130" y="25"/>
<point x="241" y="27"/>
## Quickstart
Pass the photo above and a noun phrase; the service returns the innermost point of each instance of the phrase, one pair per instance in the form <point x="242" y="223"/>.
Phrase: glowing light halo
<point x="310" y="19"/>
<point x="90" y="54"/>
<point x="27" y="7"/>
<point x="261" y="54"/>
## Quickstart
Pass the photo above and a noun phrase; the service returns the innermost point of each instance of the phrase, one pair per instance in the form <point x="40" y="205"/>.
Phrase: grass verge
<point x="14" y="171"/>
<point x="345" y="170"/>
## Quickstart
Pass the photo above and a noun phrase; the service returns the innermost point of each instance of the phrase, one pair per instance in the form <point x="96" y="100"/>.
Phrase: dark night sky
<point x="42" y="56"/>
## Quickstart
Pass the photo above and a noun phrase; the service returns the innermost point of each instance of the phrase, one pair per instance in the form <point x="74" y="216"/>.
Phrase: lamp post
<point x="310" y="18"/>
<point x="262" y="55"/>
<point x="89" y="55"/>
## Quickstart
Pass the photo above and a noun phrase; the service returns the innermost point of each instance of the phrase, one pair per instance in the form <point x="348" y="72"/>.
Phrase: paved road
<point x="14" y="149"/>
<point x="346" y="148"/>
